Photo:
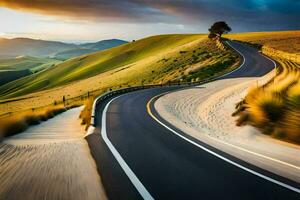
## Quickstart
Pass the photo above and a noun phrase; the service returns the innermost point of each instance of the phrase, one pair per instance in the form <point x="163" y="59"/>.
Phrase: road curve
<point x="139" y="158"/>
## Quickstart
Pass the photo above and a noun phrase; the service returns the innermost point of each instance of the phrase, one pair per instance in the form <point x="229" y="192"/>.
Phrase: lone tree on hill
<point x="218" y="29"/>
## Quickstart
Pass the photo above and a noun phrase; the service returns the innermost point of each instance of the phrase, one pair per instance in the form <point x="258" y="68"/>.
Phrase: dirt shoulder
<point x="205" y="113"/>
<point x="50" y="161"/>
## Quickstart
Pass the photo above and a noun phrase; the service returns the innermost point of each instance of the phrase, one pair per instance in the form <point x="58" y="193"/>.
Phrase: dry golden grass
<point x="169" y="65"/>
<point x="18" y="123"/>
<point x="85" y="114"/>
<point x="287" y="41"/>
<point x="274" y="108"/>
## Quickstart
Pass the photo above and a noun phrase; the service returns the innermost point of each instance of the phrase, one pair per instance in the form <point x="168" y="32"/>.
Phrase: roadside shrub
<point x="32" y="119"/>
<point x="12" y="126"/>
<point x="42" y="117"/>
<point x="18" y="123"/>
<point x="290" y="122"/>
<point x="274" y="107"/>
<point x="243" y="119"/>
<point x="85" y="114"/>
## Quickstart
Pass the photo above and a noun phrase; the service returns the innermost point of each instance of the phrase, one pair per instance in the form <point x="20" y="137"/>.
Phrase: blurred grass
<point x="274" y="108"/>
<point x="20" y="122"/>
<point x="85" y="114"/>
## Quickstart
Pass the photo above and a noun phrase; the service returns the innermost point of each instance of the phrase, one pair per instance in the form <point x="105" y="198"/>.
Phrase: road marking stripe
<point x="218" y="155"/>
<point x="138" y="184"/>
<point x="257" y="154"/>
<point x="240" y="148"/>
<point x="270" y="60"/>
<point x="228" y="73"/>
<point x="244" y="60"/>
<point x="133" y="178"/>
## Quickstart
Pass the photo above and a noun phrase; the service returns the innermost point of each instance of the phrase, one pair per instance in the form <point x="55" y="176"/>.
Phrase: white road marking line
<point x="240" y="148"/>
<point x="232" y="145"/>
<point x="228" y="73"/>
<point x="226" y="159"/>
<point x="244" y="60"/>
<point x="221" y="157"/>
<point x="138" y="184"/>
<point x="270" y="60"/>
<point x="133" y="178"/>
<point x="257" y="154"/>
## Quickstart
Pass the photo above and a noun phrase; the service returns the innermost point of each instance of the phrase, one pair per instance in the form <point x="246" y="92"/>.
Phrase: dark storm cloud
<point x="243" y="15"/>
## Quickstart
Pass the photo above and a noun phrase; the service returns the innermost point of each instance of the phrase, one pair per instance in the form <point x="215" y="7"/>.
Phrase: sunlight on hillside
<point x="288" y="41"/>
<point x="156" y="59"/>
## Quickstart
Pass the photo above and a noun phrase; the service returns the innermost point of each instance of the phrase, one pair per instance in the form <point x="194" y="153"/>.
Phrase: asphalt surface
<point x="167" y="166"/>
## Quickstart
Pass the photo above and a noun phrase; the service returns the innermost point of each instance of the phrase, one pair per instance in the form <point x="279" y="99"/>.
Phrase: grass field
<point x="26" y="62"/>
<point x="9" y="75"/>
<point x="288" y="41"/>
<point x="15" y="68"/>
<point x="274" y="108"/>
<point x="156" y="59"/>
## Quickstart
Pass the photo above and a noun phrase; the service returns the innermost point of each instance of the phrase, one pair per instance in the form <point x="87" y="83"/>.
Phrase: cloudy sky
<point x="90" y="20"/>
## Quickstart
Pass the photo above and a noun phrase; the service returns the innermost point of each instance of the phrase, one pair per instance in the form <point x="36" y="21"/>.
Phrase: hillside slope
<point x="157" y="59"/>
<point x="287" y="41"/>
<point x="15" y="68"/>
<point x="26" y="62"/>
<point x="104" y="44"/>
<point x="89" y="48"/>
<point x="10" y="48"/>
<point x="25" y="46"/>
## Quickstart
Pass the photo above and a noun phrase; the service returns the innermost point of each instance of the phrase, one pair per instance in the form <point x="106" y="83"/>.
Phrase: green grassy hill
<point x="26" y="62"/>
<point x="104" y="44"/>
<point x="15" y="68"/>
<point x="154" y="59"/>
<point x="64" y="55"/>
<point x="8" y="76"/>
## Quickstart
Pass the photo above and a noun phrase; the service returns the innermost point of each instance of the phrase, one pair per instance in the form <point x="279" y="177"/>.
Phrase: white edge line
<point x="244" y="60"/>
<point x="240" y="148"/>
<point x="270" y="60"/>
<point x="227" y="160"/>
<point x="133" y="178"/>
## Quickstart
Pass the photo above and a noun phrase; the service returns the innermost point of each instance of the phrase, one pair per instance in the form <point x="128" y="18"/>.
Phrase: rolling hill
<point x="10" y="48"/>
<point x="88" y="48"/>
<point x="26" y="62"/>
<point x="8" y="76"/>
<point x="104" y="44"/>
<point x="287" y="41"/>
<point x="155" y="59"/>
<point x="14" y="68"/>
<point x="30" y="47"/>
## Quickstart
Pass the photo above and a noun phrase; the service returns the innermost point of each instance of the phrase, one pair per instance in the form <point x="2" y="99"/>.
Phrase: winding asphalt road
<point x="141" y="156"/>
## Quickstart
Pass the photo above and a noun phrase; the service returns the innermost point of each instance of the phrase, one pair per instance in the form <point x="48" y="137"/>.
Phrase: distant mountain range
<point x="52" y="49"/>
<point x="89" y="48"/>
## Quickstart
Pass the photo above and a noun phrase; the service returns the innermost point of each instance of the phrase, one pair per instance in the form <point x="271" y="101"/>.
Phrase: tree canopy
<point x="218" y="29"/>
